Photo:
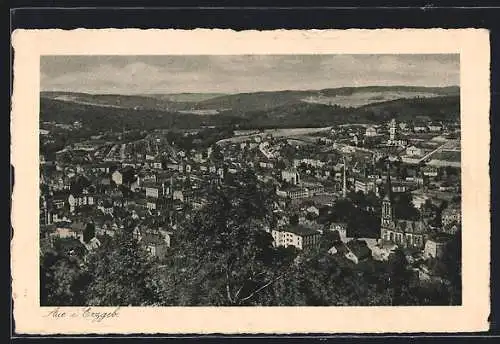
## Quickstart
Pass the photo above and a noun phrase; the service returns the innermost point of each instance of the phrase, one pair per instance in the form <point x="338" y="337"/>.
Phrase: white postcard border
<point x="471" y="44"/>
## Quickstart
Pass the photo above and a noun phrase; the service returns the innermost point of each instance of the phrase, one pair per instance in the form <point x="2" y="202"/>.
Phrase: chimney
<point x="344" y="185"/>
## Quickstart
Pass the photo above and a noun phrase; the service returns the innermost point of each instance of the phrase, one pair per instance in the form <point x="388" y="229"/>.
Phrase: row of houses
<point x="433" y="127"/>
<point x="155" y="240"/>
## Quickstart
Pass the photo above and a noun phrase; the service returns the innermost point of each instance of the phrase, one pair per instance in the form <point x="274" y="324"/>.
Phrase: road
<point x="437" y="150"/>
<point x="283" y="133"/>
<point x="341" y="145"/>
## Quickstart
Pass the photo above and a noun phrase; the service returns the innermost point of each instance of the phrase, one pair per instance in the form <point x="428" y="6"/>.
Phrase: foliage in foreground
<point x="224" y="257"/>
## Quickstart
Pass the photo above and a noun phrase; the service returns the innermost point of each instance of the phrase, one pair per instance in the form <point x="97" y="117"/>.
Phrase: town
<point x="358" y="193"/>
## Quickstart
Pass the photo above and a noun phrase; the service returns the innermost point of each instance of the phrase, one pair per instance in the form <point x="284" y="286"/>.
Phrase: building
<point x="413" y="151"/>
<point x="435" y="127"/>
<point x="157" y="165"/>
<point x="117" y="177"/>
<point x="365" y="185"/>
<point x="435" y="246"/>
<point x="154" y="190"/>
<point x="358" y="251"/>
<point x="59" y="200"/>
<point x="314" y="189"/>
<point x="178" y="195"/>
<point x="93" y="244"/>
<point x="172" y="166"/>
<point x="451" y="214"/>
<point x="429" y="171"/>
<point x="394" y="139"/>
<point x="106" y="207"/>
<point x="155" y="243"/>
<point x="451" y="228"/>
<point x="290" y="176"/>
<point x="407" y="233"/>
<point x="392" y="130"/>
<point x="70" y="230"/>
<point x="152" y="204"/>
<point x="355" y="140"/>
<point x="340" y="227"/>
<point x="381" y="250"/>
<point x="370" y="132"/>
<point x="78" y="200"/>
<point x="293" y="192"/>
<point x="419" y="128"/>
<point x="399" y="187"/>
<point x="312" y="210"/>
<point x="308" y="162"/>
<point x="419" y="199"/>
<point x="299" y="236"/>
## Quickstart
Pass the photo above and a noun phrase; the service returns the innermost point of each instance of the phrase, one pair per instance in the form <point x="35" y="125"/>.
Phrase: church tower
<point x="392" y="130"/>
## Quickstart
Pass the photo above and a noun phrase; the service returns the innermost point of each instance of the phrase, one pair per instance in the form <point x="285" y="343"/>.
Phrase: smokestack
<point x="344" y="186"/>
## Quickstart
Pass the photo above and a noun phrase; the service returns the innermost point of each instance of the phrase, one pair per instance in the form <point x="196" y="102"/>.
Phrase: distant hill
<point x="280" y="111"/>
<point x="442" y="108"/>
<point x="246" y="102"/>
<point x="113" y="118"/>
<point x="186" y="97"/>
<point x="119" y="101"/>
<point x="345" y="96"/>
<point x="442" y="91"/>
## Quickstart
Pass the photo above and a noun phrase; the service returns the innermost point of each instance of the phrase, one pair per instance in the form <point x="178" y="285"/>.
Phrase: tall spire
<point x="388" y="187"/>
<point x="171" y="187"/>
<point x="387" y="211"/>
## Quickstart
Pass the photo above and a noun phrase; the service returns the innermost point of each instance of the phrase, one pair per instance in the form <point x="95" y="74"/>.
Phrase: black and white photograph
<point x="250" y="180"/>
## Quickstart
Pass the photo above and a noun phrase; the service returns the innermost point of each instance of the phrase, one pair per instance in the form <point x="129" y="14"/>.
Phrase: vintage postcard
<point x="214" y="181"/>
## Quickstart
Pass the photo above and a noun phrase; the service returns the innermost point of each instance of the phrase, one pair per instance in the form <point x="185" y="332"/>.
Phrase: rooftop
<point x="300" y="230"/>
<point x="440" y="237"/>
<point x="411" y="226"/>
<point x="152" y="239"/>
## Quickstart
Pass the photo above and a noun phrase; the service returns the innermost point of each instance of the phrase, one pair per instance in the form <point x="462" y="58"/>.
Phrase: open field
<point x="287" y="132"/>
<point x="365" y="98"/>
<point x="453" y="156"/>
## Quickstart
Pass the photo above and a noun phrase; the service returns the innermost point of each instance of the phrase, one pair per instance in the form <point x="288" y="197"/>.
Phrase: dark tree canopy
<point x="123" y="273"/>
<point x="62" y="281"/>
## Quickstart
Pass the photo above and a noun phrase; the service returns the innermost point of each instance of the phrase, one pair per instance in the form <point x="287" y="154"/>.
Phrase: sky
<point x="242" y="73"/>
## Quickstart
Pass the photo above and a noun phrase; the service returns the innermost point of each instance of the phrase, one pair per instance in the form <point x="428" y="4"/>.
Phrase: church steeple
<point x="388" y="186"/>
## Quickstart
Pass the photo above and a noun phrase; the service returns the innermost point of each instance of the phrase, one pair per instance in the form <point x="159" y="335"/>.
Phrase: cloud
<point x="242" y="73"/>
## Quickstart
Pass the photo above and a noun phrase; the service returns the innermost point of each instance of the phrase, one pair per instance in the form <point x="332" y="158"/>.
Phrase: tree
<point x="403" y="172"/>
<point x="62" y="281"/>
<point x="89" y="232"/>
<point x="128" y="176"/>
<point x="225" y="256"/>
<point x="280" y="165"/>
<point x="452" y="262"/>
<point x="79" y="184"/>
<point x="320" y="279"/>
<point x="217" y="153"/>
<point x="404" y="207"/>
<point x="403" y="292"/>
<point x="123" y="273"/>
<point x="328" y="239"/>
